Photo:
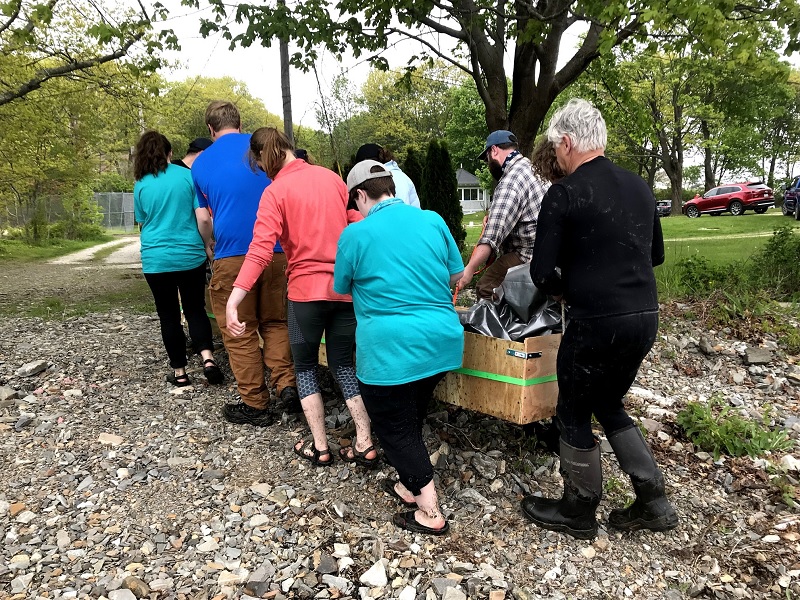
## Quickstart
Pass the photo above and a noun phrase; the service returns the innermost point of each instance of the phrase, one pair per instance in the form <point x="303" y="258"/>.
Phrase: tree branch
<point x="12" y="17"/>
<point x="46" y="74"/>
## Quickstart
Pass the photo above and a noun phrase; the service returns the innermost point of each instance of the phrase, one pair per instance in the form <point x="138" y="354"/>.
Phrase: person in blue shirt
<point x="230" y="188"/>
<point x="398" y="264"/>
<point x="173" y="253"/>
<point x="404" y="187"/>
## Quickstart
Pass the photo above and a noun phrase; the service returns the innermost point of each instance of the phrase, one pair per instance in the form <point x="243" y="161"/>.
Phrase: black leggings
<point x="307" y="322"/>
<point x="597" y="362"/>
<point x="397" y="414"/>
<point x="191" y="286"/>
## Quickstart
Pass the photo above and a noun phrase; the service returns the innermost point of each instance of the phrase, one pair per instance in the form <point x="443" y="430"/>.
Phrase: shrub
<point x="716" y="428"/>
<point x="439" y="191"/>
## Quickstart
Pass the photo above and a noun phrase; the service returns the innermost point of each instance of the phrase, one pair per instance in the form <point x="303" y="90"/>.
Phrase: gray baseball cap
<point x="361" y="172"/>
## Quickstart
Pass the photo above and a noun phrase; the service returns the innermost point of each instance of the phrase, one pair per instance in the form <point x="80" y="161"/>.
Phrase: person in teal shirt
<point x="173" y="253"/>
<point x="398" y="264"/>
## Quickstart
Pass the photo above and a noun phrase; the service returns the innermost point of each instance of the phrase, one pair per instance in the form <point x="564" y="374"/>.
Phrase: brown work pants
<point x="263" y="311"/>
<point x="495" y="274"/>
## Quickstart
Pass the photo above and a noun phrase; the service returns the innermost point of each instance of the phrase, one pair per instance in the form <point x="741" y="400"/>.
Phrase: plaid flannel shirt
<point x="514" y="210"/>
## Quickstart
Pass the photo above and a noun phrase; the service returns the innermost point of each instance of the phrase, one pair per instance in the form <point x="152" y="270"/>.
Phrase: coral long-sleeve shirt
<point x="305" y="207"/>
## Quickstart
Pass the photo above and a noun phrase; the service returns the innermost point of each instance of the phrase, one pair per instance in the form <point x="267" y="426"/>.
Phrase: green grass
<point x="104" y="253"/>
<point x="132" y="293"/>
<point x="20" y="251"/>
<point x="685" y="237"/>
<point x="725" y="224"/>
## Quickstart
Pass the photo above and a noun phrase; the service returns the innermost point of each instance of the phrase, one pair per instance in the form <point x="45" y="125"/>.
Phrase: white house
<point x="473" y="197"/>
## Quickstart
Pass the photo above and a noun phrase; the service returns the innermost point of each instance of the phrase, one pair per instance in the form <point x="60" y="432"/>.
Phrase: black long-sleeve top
<point x="599" y="225"/>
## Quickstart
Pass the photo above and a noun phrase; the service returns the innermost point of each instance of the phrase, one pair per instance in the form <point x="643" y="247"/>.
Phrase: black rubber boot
<point x="574" y="513"/>
<point x="651" y="509"/>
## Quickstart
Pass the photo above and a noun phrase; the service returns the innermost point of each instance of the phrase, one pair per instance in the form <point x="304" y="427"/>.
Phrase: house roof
<point x="466" y="179"/>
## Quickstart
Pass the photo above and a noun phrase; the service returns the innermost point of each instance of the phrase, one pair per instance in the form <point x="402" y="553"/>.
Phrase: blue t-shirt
<point x="164" y="204"/>
<point x="227" y="185"/>
<point x="397" y="265"/>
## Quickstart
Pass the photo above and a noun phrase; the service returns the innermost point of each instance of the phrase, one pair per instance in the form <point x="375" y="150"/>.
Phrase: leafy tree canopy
<point x="41" y="41"/>
<point x="474" y="36"/>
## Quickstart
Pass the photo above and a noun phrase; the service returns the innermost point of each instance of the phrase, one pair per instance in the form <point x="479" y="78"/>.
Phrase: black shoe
<point x="242" y="414"/>
<point x="290" y="400"/>
<point x="212" y="372"/>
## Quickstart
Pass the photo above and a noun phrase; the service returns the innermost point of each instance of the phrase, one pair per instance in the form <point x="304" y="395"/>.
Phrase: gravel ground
<point x="117" y="485"/>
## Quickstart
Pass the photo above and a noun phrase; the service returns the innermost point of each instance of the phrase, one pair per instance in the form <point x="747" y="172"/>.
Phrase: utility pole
<point x="285" y="86"/>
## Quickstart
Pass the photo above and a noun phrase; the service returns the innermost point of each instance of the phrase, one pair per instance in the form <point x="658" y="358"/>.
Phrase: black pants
<point x="307" y="323"/>
<point x="397" y="413"/>
<point x="597" y="362"/>
<point x="191" y="285"/>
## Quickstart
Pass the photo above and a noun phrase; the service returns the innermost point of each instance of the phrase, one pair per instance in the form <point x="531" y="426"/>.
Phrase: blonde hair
<point x="269" y="146"/>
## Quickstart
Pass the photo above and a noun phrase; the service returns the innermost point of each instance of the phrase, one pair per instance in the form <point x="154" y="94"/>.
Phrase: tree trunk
<point x="286" y="90"/>
<point x="708" y="168"/>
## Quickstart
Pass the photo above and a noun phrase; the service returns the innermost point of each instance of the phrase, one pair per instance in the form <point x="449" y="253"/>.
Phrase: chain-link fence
<point x="117" y="209"/>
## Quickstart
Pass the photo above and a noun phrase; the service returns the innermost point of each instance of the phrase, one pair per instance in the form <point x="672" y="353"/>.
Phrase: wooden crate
<point x="513" y="381"/>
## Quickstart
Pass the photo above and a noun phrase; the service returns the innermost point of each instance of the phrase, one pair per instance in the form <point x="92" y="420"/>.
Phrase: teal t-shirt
<point x="164" y="204"/>
<point x="397" y="265"/>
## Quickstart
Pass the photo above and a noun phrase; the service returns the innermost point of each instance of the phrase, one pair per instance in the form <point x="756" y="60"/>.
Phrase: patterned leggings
<point x="307" y="323"/>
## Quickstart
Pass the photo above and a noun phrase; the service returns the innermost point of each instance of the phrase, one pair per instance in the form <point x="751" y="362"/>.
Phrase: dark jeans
<point x="397" y="413"/>
<point x="597" y="362"/>
<point x="191" y="286"/>
<point x="307" y="322"/>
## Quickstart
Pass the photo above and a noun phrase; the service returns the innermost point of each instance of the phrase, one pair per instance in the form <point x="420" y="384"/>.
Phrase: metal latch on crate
<point x="525" y="355"/>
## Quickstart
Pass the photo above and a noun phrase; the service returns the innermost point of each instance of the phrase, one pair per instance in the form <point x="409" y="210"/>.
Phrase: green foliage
<point x="43" y="43"/>
<point x="483" y="32"/>
<point x="112" y="182"/>
<point x="439" y="190"/>
<point x="718" y="429"/>
<point x="82" y="216"/>
<point x="413" y="167"/>
<point x="741" y="286"/>
<point x="775" y="267"/>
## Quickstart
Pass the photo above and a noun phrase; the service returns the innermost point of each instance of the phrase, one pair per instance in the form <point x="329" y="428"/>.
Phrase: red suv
<point x="733" y="197"/>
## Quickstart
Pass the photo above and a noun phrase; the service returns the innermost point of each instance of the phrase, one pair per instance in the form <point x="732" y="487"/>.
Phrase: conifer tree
<point x="413" y="168"/>
<point x="439" y="190"/>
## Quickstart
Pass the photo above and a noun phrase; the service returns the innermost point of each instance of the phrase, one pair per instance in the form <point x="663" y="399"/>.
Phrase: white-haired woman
<point x="599" y="225"/>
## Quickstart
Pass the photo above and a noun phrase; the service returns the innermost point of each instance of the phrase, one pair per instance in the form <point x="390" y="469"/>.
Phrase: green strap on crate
<point x="506" y="378"/>
<point x="502" y="378"/>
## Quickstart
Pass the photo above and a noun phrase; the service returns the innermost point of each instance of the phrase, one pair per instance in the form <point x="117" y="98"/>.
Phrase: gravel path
<point x="117" y="486"/>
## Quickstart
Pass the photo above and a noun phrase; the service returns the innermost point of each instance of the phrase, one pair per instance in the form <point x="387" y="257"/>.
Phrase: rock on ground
<point x="114" y="479"/>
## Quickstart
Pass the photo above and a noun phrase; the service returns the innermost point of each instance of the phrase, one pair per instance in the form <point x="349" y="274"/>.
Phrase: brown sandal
<point x="314" y="458"/>
<point x="360" y="458"/>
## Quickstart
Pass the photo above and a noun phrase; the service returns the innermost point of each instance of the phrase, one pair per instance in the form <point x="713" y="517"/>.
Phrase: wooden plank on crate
<point x="503" y="385"/>
<point x="497" y="378"/>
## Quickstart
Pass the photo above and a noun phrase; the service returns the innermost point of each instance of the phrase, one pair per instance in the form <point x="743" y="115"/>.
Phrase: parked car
<point x="735" y="198"/>
<point x="664" y="208"/>
<point x="790" y="205"/>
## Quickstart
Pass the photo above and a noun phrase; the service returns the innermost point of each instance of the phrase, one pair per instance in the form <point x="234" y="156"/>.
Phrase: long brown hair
<point x="269" y="146"/>
<point x="151" y="155"/>
<point x="544" y="163"/>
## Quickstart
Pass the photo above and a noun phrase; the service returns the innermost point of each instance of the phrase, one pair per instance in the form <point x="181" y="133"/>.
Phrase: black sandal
<point x="178" y="380"/>
<point x="360" y="458"/>
<point x="388" y="487"/>
<point x="408" y="521"/>
<point x="212" y="372"/>
<point x="314" y="458"/>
